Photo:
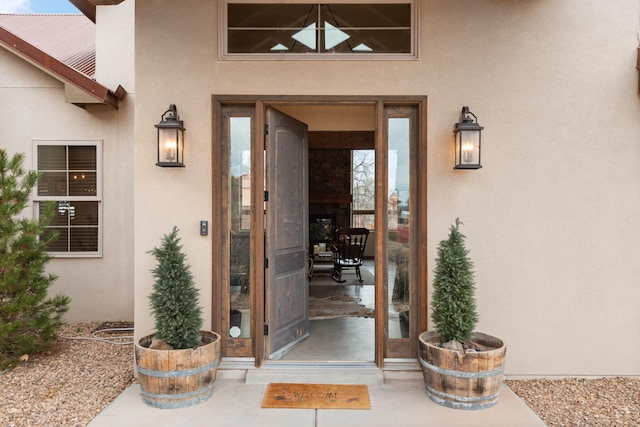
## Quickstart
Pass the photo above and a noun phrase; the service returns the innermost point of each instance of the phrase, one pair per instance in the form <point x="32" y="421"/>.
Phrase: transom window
<point x="324" y="29"/>
<point x="70" y="177"/>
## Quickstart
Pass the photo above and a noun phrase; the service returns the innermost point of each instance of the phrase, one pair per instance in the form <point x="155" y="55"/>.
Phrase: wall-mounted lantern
<point x="170" y="139"/>
<point x="467" y="134"/>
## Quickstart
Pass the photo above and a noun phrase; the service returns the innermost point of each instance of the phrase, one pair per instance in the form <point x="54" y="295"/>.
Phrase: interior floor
<point x="343" y="338"/>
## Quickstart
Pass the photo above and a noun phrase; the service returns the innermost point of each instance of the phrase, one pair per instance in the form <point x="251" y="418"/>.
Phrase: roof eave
<point x="79" y="89"/>
<point x="105" y="2"/>
<point x="88" y="7"/>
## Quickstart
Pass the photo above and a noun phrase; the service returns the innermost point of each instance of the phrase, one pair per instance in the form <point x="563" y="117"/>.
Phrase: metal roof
<point x="71" y="39"/>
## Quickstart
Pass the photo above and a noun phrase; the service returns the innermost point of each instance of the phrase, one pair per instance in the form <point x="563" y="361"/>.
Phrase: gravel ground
<point x="582" y="402"/>
<point x="70" y="386"/>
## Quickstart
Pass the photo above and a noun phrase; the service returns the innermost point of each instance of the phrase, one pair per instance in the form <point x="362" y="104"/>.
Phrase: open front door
<point x="286" y="287"/>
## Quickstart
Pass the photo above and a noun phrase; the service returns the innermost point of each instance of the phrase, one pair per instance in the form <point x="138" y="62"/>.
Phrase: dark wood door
<point x="287" y="282"/>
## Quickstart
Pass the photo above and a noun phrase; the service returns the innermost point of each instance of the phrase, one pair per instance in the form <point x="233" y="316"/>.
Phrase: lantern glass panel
<point x="169" y="145"/>
<point x="180" y="151"/>
<point x="468" y="147"/>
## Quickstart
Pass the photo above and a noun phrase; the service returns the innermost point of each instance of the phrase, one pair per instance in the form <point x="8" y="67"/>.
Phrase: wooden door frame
<point x="254" y="347"/>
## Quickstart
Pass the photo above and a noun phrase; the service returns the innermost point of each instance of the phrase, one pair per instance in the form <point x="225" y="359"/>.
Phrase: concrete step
<point x="369" y="376"/>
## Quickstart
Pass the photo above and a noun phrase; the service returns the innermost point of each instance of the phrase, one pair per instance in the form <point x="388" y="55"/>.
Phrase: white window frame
<point x="223" y="54"/>
<point x="97" y="198"/>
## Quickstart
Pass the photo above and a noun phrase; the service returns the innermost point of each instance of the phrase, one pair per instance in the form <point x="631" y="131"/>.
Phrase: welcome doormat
<point x="316" y="396"/>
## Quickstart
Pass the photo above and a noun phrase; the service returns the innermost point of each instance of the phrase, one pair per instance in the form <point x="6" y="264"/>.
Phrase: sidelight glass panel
<point x="398" y="225"/>
<point x="240" y="225"/>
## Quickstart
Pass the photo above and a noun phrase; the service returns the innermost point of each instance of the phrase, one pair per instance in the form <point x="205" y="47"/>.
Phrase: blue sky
<point x="37" y="6"/>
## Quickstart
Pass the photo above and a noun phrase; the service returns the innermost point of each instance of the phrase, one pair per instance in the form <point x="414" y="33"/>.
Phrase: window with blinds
<point x="69" y="177"/>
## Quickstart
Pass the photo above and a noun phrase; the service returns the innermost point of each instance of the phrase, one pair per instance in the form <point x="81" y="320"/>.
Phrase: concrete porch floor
<point x="337" y="351"/>
<point x="398" y="399"/>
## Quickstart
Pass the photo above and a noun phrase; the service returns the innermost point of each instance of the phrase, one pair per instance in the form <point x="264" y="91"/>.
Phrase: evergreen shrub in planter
<point x="462" y="369"/>
<point x="176" y="366"/>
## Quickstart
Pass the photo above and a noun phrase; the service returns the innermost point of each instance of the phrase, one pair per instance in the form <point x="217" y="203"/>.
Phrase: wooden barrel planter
<point x="469" y="380"/>
<point x="177" y="378"/>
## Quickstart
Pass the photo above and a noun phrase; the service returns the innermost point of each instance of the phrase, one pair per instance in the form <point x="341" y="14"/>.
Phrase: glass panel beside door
<point x="398" y="225"/>
<point x="240" y="226"/>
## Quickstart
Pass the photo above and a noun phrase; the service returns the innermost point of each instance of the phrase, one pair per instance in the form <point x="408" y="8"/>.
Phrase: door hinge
<point x="265" y="197"/>
<point x="266" y="129"/>
<point x="266" y="263"/>
<point x="266" y="329"/>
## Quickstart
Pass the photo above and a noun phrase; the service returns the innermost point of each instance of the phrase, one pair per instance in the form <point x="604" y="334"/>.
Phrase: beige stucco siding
<point x="552" y="218"/>
<point x="33" y="107"/>
<point x="115" y="56"/>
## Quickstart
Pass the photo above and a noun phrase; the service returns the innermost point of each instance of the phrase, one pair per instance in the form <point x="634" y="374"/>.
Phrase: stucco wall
<point x="33" y="108"/>
<point x="115" y="56"/>
<point x="551" y="219"/>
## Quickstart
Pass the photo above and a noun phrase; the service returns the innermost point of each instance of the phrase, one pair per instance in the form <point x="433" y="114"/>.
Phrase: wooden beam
<point x="105" y="2"/>
<point x="86" y="7"/>
<point x="330" y="198"/>
<point x="341" y="140"/>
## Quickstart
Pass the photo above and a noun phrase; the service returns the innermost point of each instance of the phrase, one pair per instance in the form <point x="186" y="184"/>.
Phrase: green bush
<point x="29" y="321"/>
<point x="453" y="303"/>
<point x="174" y="300"/>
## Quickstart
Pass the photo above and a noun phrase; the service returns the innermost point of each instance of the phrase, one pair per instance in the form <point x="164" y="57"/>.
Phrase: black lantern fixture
<point x="467" y="134"/>
<point x="170" y="139"/>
